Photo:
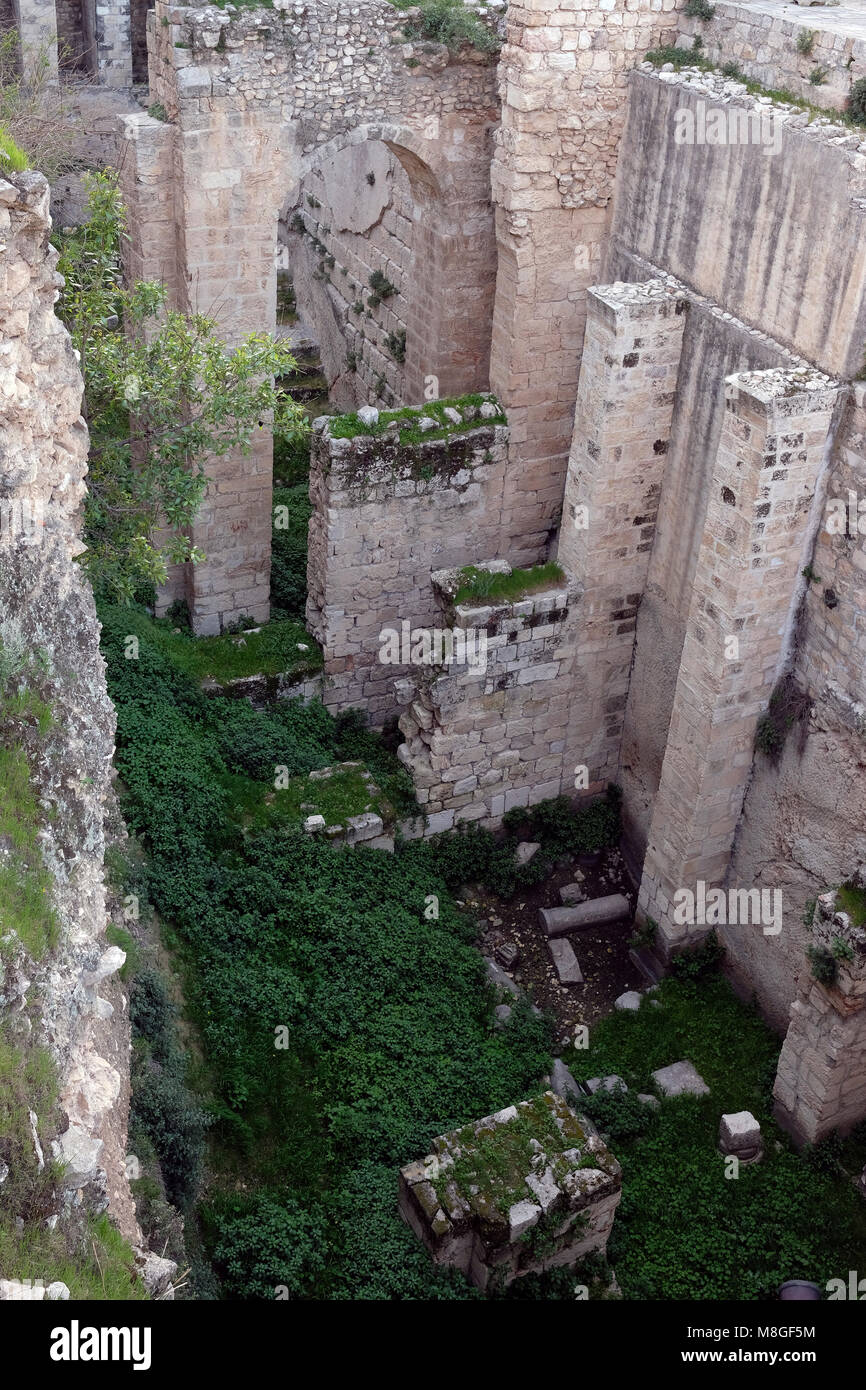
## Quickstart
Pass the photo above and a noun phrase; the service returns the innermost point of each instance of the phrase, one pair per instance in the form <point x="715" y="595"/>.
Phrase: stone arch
<point x="450" y="315"/>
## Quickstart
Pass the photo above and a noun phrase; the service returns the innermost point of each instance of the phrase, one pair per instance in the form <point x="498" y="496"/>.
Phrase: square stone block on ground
<point x="680" y="1079"/>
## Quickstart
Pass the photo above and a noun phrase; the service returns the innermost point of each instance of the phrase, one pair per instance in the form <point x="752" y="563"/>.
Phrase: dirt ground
<point x="602" y="952"/>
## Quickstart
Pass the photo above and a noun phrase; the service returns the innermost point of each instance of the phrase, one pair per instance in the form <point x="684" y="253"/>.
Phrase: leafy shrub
<point x="857" y="101"/>
<point x="448" y="22"/>
<point x="824" y="966"/>
<point x="619" y="1114"/>
<point x="703" y="960"/>
<point x="289" y="553"/>
<point x="174" y="1123"/>
<point x="263" y="1245"/>
<point x="152" y="1013"/>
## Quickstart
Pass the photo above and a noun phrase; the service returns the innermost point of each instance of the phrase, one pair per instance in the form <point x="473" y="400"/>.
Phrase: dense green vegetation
<point x="684" y="1230"/>
<point x="342" y="1027"/>
<point x="388" y="1020"/>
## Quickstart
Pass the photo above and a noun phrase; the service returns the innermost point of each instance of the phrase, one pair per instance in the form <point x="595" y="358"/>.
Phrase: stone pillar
<point x="625" y="402"/>
<point x="821" y="1080"/>
<point x="114" y="43"/>
<point x="563" y="87"/>
<point x="772" y="450"/>
<point x="37" y="31"/>
<point x="453" y="277"/>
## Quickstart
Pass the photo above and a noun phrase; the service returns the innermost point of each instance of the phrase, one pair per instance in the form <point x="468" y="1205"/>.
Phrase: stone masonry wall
<point x="255" y="99"/>
<point x="804" y="817"/>
<point x="761" y="38"/>
<point x="704" y="212"/>
<point x="358" y="206"/>
<point x="66" y="1000"/>
<point x="562" y="82"/>
<point x="385" y="513"/>
<point x="490" y="732"/>
<point x="821" y="1080"/>
<point x="622" y="429"/>
<point x="758" y="530"/>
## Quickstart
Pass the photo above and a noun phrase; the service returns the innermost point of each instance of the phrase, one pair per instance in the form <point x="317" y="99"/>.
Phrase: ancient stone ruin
<point x="529" y="1188"/>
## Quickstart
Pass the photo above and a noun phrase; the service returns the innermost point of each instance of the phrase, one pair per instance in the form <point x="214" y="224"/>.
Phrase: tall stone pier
<point x="625" y="403"/>
<point x="772" y="451"/>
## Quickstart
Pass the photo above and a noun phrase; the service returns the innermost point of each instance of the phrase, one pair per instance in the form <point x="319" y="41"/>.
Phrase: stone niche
<point x="527" y="1189"/>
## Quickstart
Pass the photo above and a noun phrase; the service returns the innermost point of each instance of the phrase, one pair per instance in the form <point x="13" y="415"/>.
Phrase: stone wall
<point x="64" y="1000"/>
<point x="761" y="38"/>
<point x="704" y="211"/>
<point x="255" y="100"/>
<point x="358" y="206"/>
<point x="757" y="534"/>
<point x="804" y="818"/>
<point x="388" y="509"/>
<point x="821" y="1081"/>
<point x="488" y="731"/>
<point x="622" y="429"/>
<point x="562" y="83"/>
<point x="553" y="1205"/>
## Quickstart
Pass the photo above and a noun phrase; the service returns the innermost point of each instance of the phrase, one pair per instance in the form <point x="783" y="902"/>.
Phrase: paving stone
<point x="680" y="1079"/>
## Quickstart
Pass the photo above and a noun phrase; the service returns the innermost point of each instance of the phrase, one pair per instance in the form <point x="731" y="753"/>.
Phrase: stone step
<point x="560" y="921"/>
<point x="565" y="960"/>
<point x="648" y="963"/>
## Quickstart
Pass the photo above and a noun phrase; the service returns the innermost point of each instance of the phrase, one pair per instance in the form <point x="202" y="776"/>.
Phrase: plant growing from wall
<point x="788" y="706"/>
<point x="699" y="9"/>
<point x="448" y="22"/>
<point x="381" y="286"/>
<point x="818" y="76"/>
<point x="823" y="963"/>
<point x="805" y="41"/>
<point x="397" y="345"/>
<point x="157" y="406"/>
<point x="857" y="102"/>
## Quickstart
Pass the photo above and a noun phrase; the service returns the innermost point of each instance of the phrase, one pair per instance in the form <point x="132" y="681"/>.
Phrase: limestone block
<point x="680" y="1079"/>
<point x="477" y="1226"/>
<point x="567" y="967"/>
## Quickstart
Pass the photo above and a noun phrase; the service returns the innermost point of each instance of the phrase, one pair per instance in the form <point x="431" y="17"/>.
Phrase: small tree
<point x="158" y="404"/>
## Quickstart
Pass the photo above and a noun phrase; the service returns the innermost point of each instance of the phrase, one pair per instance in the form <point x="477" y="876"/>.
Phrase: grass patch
<point x="852" y="900"/>
<point x="101" y="1268"/>
<point x="272" y="650"/>
<point x="26" y="885"/>
<point x="483" y="584"/>
<point x="12" y="158"/>
<point x="349" y="426"/>
<point x="683" y="1231"/>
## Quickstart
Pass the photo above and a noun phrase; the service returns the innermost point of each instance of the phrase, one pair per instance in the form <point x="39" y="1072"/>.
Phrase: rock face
<point x="529" y="1188"/>
<point x="50" y="649"/>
